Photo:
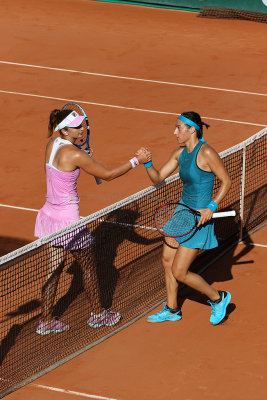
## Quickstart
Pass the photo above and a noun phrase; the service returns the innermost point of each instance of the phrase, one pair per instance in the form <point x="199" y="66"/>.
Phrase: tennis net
<point x="232" y="13"/>
<point x="118" y="268"/>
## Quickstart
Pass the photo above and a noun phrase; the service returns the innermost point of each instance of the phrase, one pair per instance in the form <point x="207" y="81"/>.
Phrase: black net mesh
<point x="255" y="185"/>
<point x="232" y="13"/>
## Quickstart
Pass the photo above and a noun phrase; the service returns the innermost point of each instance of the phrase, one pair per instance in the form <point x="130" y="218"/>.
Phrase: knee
<point x="166" y="262"/>
<point x="179" y="274"/>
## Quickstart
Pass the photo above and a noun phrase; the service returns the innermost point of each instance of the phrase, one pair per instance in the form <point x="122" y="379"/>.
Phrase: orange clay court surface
<point x="175" y="62"/>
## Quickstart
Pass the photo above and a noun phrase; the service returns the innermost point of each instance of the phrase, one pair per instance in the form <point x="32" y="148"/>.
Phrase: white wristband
<point x="134" y="161"/>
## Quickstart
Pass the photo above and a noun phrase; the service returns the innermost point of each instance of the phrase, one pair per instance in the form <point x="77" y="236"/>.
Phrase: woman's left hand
<point x="206" y="215"/>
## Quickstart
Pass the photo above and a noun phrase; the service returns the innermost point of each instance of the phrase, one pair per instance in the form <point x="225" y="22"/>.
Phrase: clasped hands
<point x="143" y="155"/>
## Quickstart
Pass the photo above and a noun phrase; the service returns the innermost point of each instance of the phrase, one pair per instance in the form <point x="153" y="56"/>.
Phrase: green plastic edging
<point x="150" y="5"/>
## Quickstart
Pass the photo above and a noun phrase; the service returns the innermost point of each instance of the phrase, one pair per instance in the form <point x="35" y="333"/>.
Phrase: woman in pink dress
<point x="63" y="162"/>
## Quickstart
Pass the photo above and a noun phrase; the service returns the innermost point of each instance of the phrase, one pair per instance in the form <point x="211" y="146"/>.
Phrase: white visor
<point x="72" y="120"/>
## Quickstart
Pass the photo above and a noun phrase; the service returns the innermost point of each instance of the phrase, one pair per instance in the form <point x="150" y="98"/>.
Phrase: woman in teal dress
<point x="198" y="164"/>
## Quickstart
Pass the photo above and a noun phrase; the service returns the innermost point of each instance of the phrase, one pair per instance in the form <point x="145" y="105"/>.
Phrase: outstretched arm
<point x="158" y="175"/>
<point x="92" y="167"/>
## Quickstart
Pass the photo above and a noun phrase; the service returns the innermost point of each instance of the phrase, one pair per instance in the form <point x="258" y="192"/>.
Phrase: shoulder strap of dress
<point x="58" y="142"/>
<point x="197" y="148"/>
<point x="181" y="157"/>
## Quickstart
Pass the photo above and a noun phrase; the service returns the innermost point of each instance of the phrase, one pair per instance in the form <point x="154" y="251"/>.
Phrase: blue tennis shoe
<point x="165" y="315"/>
<point x="218" y="309"/>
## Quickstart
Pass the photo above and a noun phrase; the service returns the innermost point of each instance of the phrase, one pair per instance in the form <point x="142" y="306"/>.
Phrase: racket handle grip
<point x="224" y="214"/>
<point x="98" y="180"/>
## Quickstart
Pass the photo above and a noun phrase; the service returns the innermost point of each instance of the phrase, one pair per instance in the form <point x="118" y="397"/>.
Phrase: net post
<point x="242" y="192"/>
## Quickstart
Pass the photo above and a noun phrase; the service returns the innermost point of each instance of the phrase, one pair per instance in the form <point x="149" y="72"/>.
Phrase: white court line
<point x="133" y="79"/>
<point x="123" y="108"/>
<point x="54" y="389"/>
<point x="102" y="220"/>
<point x="18" y="208"/>
<point x="124" y="224"/>
<point x="254" y="244"/>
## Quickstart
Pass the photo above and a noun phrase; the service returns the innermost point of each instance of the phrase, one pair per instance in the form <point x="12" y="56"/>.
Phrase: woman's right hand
<point x="143" y="155"/>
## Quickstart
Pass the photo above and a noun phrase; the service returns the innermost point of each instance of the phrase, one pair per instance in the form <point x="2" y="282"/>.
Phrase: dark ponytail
<point x="195" y="117"/>
<point x="56" y="116"/>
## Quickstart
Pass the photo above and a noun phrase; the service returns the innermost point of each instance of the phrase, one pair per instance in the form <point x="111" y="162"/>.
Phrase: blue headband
<point x="189" y="122"/>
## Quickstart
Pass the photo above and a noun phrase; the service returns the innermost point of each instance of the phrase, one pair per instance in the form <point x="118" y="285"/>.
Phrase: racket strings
<point x="175" y="223"/>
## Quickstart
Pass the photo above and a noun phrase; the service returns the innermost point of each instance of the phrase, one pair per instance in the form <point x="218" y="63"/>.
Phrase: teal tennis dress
<point x="197" y="194"/>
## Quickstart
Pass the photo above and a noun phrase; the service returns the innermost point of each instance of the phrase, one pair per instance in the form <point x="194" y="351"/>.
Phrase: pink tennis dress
<point x="62" y="205"/>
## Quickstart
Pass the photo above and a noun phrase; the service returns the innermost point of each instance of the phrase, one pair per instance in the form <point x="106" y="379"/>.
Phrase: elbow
<point x="156" y="180"/>
<point x="105" y="176"/>
<point x="227" y="185"/>
<point x="109" y="176"/>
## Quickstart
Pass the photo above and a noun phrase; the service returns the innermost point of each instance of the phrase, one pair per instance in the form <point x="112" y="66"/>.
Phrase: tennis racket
<point x="84" y="140"/>
<point x="177" y="220"/>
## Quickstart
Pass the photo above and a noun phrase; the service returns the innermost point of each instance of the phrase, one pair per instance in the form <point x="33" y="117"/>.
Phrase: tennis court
<point x="134" y="69"/>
